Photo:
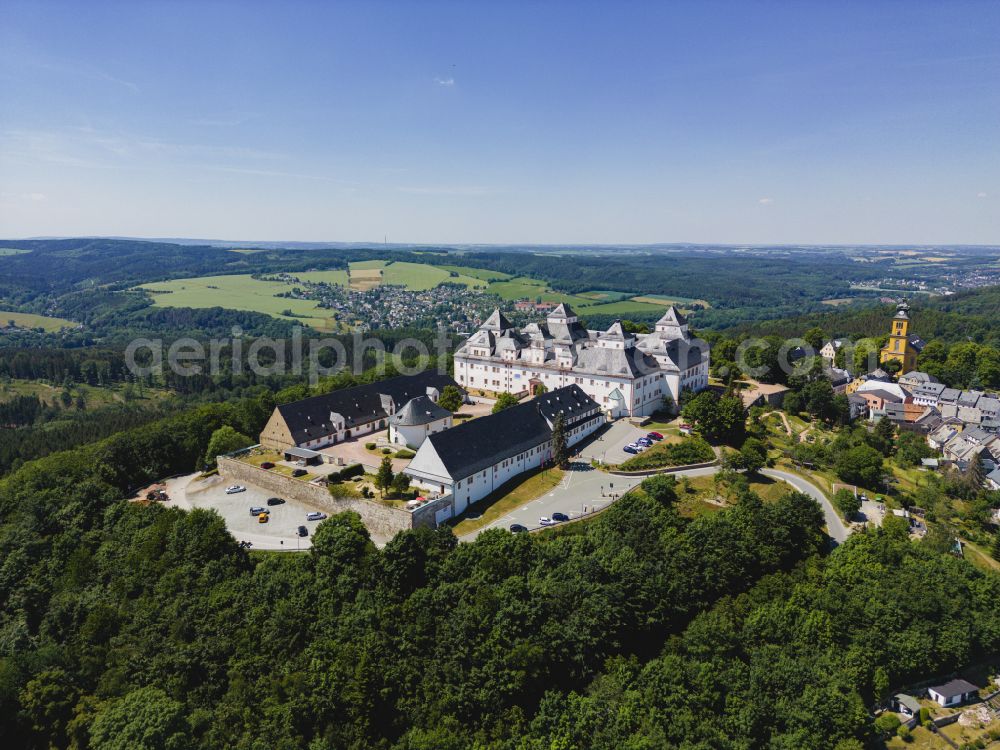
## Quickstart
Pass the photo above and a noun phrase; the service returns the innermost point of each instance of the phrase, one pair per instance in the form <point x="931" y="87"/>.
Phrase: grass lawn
<point x="239" y="292"/>
<point x="980" y="557"/>
<point x="923" y="739"/>
<point x="514" y="494"/>
<point x="705" y="490"/>
<point x="30" y="320"/>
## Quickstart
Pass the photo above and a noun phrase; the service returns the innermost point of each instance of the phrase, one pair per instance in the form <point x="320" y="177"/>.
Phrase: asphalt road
<point x="586" y="489"/>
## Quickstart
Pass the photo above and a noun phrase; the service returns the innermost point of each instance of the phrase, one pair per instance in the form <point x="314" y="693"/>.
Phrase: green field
<point x="664" y="299"/>
<point x="240" y="292"/>
<point x="604" y="295"/>
<point x="417" y="276"/>
<point x="93" y="396"/>
<point x="478" y="273"/>
<point x="30" y="320"/>
<point x="12" y="251"/>
<point x="521" y="287"/>
<point x="325" y="277"/>
<point x="626" y="308"/>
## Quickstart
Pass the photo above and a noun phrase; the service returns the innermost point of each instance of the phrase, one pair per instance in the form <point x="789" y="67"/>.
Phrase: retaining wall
<point x="381" y="520"/>
<point x="663" y="470"/>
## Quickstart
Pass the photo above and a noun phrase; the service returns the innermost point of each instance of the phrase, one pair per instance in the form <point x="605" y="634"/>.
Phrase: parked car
<point x="630" y="448"/>
<point x="654" y="436"/>
<point x="645" y="442"/>
<point x="263" y="518"/>
<point x="267" y="464"/>
<point x="256" y="510"/>
<point x="300" y="462"/>
<point x="275" y="501"/>
<point x="560" y="517"/>
<point x="315" y="516"/>
<point x="303" y="531"/>
<point x="545" y="521"/>
<point x="299" y="472"/>
<point x="517" y="528"/>
<point x="234" y="488"/>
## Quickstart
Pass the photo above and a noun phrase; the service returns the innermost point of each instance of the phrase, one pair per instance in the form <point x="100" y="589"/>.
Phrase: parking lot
<point x="607" y="447"/>
<point x="278" y="533"/>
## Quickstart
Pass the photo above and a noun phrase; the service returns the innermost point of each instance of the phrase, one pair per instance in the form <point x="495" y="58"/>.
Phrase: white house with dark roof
<point x="953" y="693"/>
<point x="421" y="417"/>
<point x="347" y="413"/>
<point x="473" y="459"/>
<point x="626" y="374"/>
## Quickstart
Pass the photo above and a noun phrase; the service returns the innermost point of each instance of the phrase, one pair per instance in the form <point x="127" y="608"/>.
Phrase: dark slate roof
<point x="480" y="443"/>
<point x="309" y="418"/>
<point x="496" y="322"/>
<point x="419" y="410"/>
<point x="955" y="687"/>
<point x="672" y="317"/>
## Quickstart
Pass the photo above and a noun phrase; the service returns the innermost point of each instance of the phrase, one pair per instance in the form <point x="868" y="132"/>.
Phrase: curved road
<point x="586" y="489"/>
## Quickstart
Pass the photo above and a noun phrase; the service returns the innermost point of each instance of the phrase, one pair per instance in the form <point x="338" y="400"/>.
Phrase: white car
<point x="233" y="489"/>
<point x="315" y="516"/>
<point x="546" y="521"/>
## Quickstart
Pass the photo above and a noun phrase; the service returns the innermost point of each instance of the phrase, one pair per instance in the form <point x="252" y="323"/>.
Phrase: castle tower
<point x="899" y="347"/>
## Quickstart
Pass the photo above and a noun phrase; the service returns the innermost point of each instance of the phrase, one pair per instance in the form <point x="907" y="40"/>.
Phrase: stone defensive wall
<point x="379" y="519"/>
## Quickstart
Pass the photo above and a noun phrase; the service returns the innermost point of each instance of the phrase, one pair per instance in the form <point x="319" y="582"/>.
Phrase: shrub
<point x="370" y="446"/>
<point x="405" y="453"/>
<point x="354" y="470"/>
<point x="904" y="733"/>
<point x="386" y="451"/>
<point x="693" y="450"/>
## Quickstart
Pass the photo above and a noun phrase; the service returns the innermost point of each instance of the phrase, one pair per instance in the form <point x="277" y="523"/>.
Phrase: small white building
<point x="421" y="417"/>
<point x="953" y="693"/>
<point x="473" y="459"/>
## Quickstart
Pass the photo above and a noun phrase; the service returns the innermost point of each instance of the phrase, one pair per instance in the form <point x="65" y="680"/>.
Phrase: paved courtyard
<point x="607" y="447"/>
<point x="278" y="533"/>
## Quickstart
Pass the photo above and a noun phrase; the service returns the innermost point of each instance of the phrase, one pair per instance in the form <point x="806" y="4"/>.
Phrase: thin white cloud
<point x="34" y="196"/>
<point x="981" y="195"/>
<point x="444" y="81"/>
<point x="765" y="201"/>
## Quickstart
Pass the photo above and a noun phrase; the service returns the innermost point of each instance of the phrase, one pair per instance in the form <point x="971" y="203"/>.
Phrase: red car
<point x="267" y="465"/>
<point x="655" y="436"/>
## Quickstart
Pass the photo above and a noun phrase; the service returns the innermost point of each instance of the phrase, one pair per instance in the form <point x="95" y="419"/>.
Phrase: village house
<point x="953" y="693"/>
<point x="626" y="374"/>
<point x="473" y="459"/>
<point x="347" y="413"/>
<point x="915" y="378"/>
<point x="829" y="350"/>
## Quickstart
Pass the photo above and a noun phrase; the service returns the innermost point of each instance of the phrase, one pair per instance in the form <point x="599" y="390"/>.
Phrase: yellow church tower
<point x="900" y="348"/>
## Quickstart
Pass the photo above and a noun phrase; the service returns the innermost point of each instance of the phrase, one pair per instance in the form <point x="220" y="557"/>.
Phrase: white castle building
<point x="627" y="374"/>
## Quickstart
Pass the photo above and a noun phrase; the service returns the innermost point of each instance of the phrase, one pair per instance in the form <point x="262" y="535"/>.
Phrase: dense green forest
<point x="134" y="626"/>
<point x="131" y="626"/>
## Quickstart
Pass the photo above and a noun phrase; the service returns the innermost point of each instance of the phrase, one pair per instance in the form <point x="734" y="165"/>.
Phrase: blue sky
<point x="535" y="122"/>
